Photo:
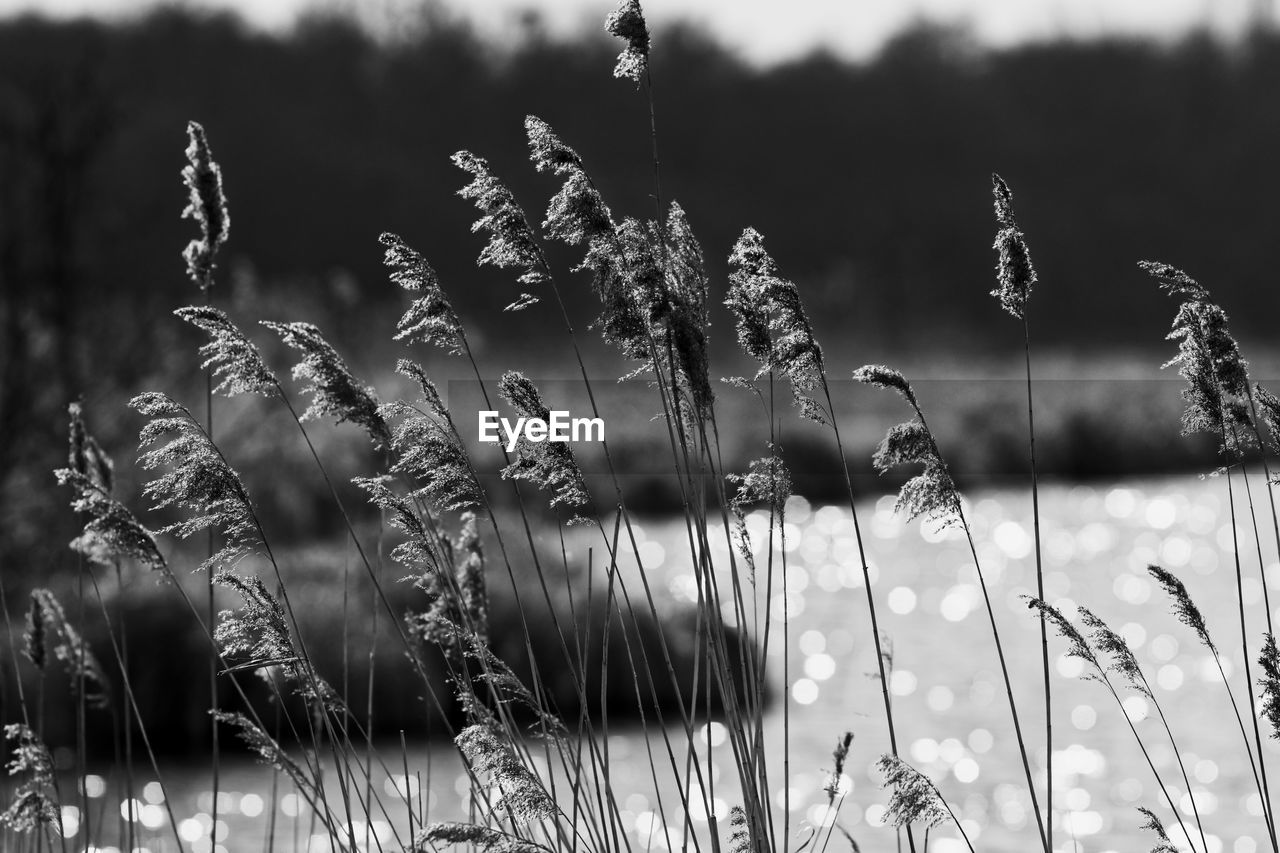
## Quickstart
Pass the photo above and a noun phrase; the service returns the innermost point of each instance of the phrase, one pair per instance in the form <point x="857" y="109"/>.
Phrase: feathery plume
<point x="206" y="204"/>
<point x="914" y="798"/>
<point x="33" y="635"/>
<point x="1269" y="660"/>
<point x="523" y="796"/>
<point x="268" y="751"/>
<point x="838" y="757"/>
<point x="511" y="241"/>
<point x="1163" y="845"/>
<point x="1174" y="281"/>
<point x="112" y="533"/>
<point x="70" y="648"/>
<point x="260" y="633"/>
<point x="85" y="456"/>
<point x="931" y="493"/>
<point x="471" y="579"/>
<point x="548" y="151"/>
<point x="1208" y="359"/>
<point x="198" y="477"/>
<point x="740" y="834"/>
<point x="646" y="278"/>
<point x="230" y="354"/>
<point x="485" y="839"/>
<point x="428" y="448"/>
<point x="767" y="482"/>
<point x="1014" y="273"/>
<point x="771" y="322"/>
<point x="32" y="807"/>
<point x="1077" y="645"/>
<point x="1269" y="414"/>
<point x="886" y="377"/>
<point x="741" y="539"/>
<point x="431" y="318"/>
<point x="333" y="388"/>
<point x="1183" y="607"/>
<point x="1123" y="661"/>
<point x="686" y="290"/>
<point x="550" y="465"/>
<point x="417" y="552"/>
<point x="627" y="23"/>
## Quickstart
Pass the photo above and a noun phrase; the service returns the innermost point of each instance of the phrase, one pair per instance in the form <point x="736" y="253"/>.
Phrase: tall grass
<point x="531" y="725"/>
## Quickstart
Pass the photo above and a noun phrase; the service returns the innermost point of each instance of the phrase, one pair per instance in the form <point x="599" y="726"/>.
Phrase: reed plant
<point x="525" y="700"/>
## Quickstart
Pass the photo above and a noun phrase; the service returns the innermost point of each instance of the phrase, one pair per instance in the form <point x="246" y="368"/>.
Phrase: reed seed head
<point x="206" y="204"/>
<point x="522" y="795"/>
<point x="550" y="465"/>
<point x="230" y="354"/>
<point x="913" y="798"/>
<point x="1183" y="607"/>
<point x="333" y="389"/>
<point x="1015" y="275"/>
<point x="431" y="318"/>
<point x="627" y="23"/>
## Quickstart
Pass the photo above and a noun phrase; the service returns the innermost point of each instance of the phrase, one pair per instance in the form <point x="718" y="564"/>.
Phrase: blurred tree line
<point x="870" y="181"/>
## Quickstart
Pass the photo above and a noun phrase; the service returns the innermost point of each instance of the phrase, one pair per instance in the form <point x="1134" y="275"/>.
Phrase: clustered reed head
<point x="1077" y="645"/>
<point x="522" y="795"/>
<point x="627" y="23"/>
<point x="268" y="751"/>
<point x="1163" y="843"/>
<point x="230" y="354"/>
<point x="740" y="831"/>
<point x="33" y="807"/>
<point x="931" y="493"/>
<point x="112" y="533"/>
<point x="259" y="633"/>
<point x="1269" y="413"/>
<point x="767" y="482"/>
<point x="512" y="244"/>
<point x="838" y="757"/>
<point x="471" y="578"/>
<point x="913" y="799"/>
<point x="880" y="376"/>
<point x="649" y="276"/>
<point x="457" y="620"/>
<point x="550" y="465"/>
<point x="1183" y="607"/>
<point x="1269" y="661"/>
<point x="482" y="837"/>
<point x="197" y="478"/>
<point x="1014" y="273"/>
<point x="771" y="322"/>
<point x="47" y="623"/>
<point x="1122" y="660"/>
<point x="431" y="318"/>
<point x="333" y="389"/>
<point x="428" y="448"/>
<point x="206" y="204"/>
<point x="1218" y="390"/>
<point x="418" y="552"/>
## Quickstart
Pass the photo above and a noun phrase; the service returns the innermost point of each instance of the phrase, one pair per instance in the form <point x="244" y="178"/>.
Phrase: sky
<point x="767" y="31"/>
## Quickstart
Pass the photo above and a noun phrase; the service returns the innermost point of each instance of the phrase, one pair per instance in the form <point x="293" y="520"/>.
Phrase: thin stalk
<point x="1261" y="770"/>
<point x="1044" y="629"/>
<point x="995" y="633"/>
<point x="131" y="706"/>
<point x="866" y="581"/>
<point x="81" y="743"/>
<point x="1182" y="768"/>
